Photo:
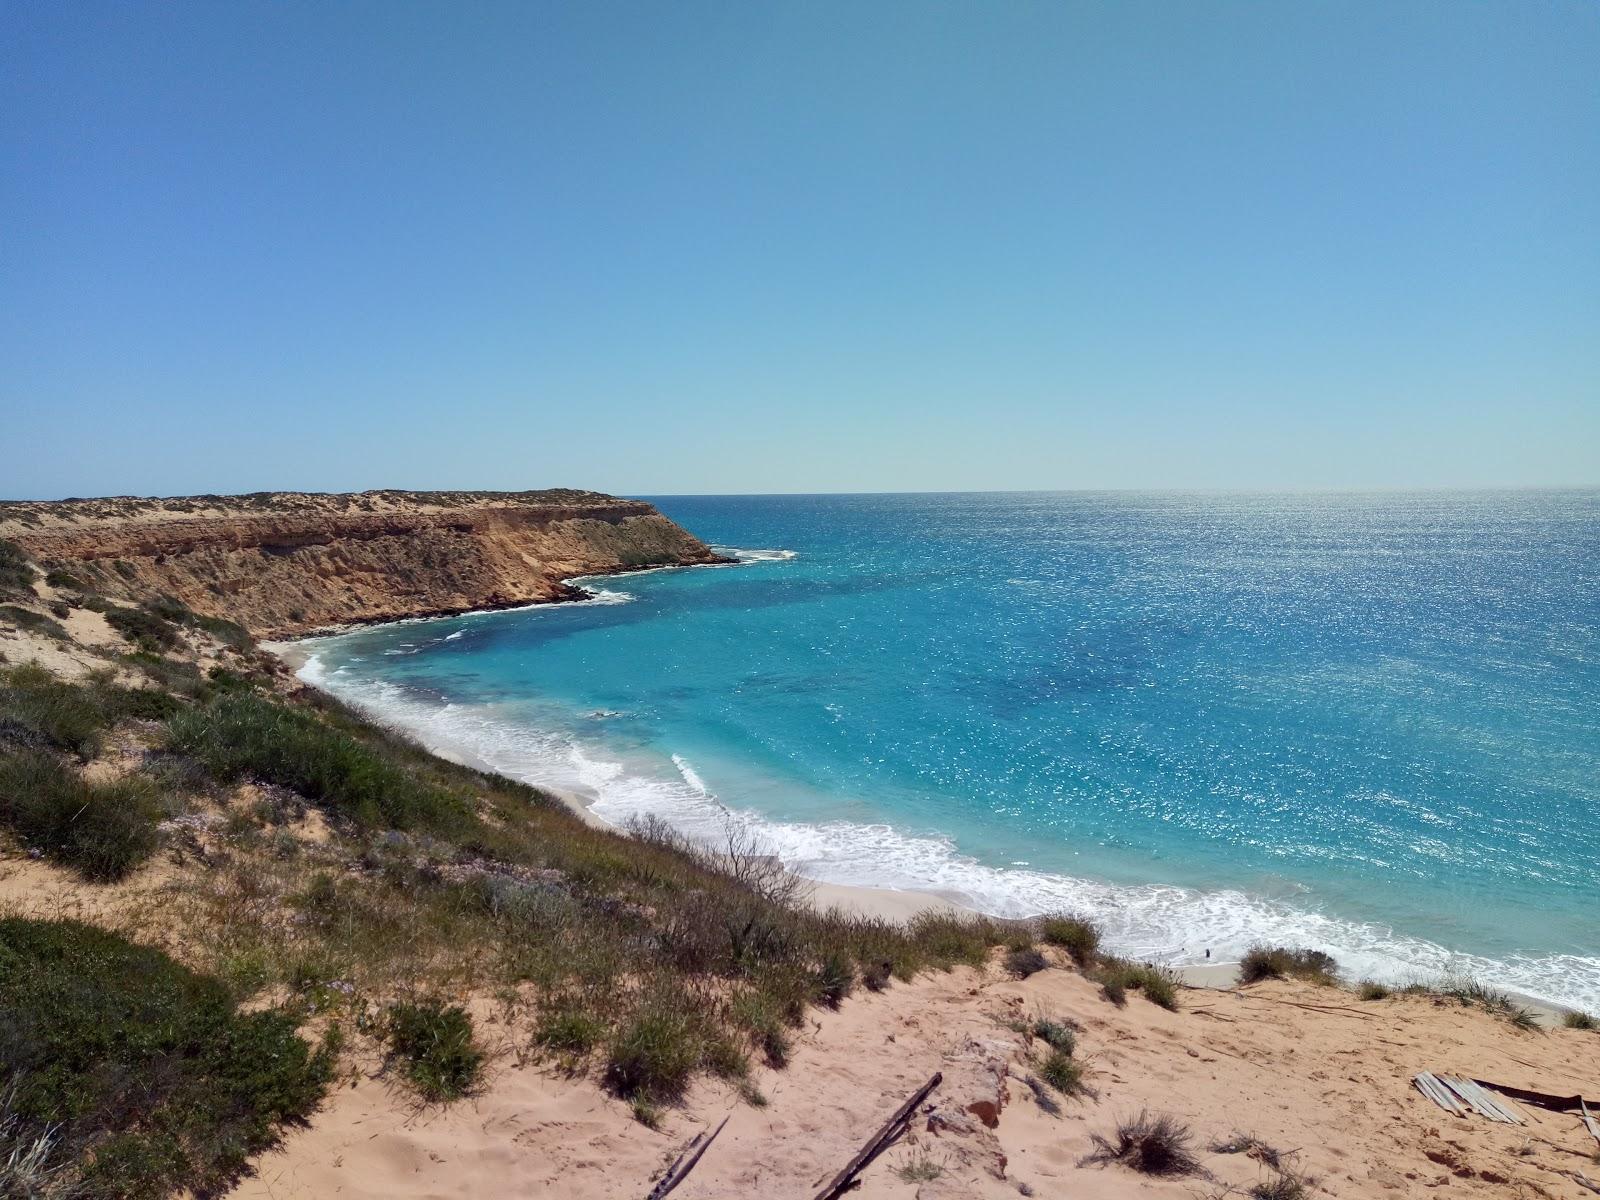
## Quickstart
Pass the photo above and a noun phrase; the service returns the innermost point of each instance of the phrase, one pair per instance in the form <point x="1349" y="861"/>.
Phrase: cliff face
<point x="285" y="563"/>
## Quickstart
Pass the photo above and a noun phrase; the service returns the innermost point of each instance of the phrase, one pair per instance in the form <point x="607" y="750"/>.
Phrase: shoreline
<point x="887" y="903"/>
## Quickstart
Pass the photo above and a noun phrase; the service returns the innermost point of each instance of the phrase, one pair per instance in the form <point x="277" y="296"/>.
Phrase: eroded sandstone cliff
<point x="285" y="563"/>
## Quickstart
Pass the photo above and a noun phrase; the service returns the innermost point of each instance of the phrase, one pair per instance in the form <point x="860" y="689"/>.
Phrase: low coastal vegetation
<point x="130" y="1076"/>
<point x="32" y="622"/>
<point x="103" y="830"/>
<point x="1078" y="937"/>
<point x="1118" y="976"/>
<point x="156" y="627"/>
<point x="434" y="1041"/>
<point x="16" y="573"/>
<point x="1315" y="966"/>
<point x="1281" y="962"/>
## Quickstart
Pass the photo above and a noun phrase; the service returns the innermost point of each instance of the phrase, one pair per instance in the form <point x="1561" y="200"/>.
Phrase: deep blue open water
<point x="1369" y="723"/>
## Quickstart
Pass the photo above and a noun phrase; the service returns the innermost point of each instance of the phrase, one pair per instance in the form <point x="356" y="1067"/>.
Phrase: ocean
<point x="1368" y="723"/>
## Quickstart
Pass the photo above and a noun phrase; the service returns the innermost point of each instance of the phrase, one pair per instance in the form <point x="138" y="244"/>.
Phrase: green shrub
<point x="1524" y="1019"/>
<point x="875" y="975"/>
<point x="146" y="1075"/>
<point x="148" y="631"/>
<point x="656" y="1052"/>
<point x="65" y="580"/>
<point x="1056" y="1034"/>
<point x="723" y="1057"/>
<point x="949" y="939"/>
<point x="1160" y="987"/>
<point x="229" y="633"/>
<point x="835" y="978"/>
<point x="38" y="709"/>
<point x="434" y="1041"/>
<point x="102" y="830"/>
<point x="1062" y="1072"/>
<point x="758" y="1016"/>
<point x="1024" y="962"/>
<point x="175" y="612"/>
<point x="171" y="609"/>
<point x="222" y="679"/>
<point x="569" y="1029"/>
<point x="1470" y="993"/>
<point x="175" y="675"/>
<point x="1281" y="962"/>
<point x="29" y="621"/>
<point x="1079" y="938"/>
<point x="146" y="704"/>
<point x="919" y="1168"/>
<point x="1118" y="975"/>
<point x="244" y="735"/>
<point x="16" y="573"/>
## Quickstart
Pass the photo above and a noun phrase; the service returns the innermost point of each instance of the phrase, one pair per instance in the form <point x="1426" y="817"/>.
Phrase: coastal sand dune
<point x="1308" y="1070"/>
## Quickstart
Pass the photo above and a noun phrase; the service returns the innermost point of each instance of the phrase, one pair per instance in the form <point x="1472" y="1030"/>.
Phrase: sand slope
<point x="1330" y="1083"/>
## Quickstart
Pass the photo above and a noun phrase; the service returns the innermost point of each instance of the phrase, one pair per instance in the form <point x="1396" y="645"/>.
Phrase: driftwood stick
<point x="685" y="1162"/>
<point x="878" y="1142"/>
<point x="665" y="1184"/>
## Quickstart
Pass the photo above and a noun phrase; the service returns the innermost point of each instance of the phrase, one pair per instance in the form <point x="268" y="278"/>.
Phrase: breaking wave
<point x="1164" y="923"/>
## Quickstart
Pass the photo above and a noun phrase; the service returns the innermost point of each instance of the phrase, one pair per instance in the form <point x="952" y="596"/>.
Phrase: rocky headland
<point x="286" y="563"/>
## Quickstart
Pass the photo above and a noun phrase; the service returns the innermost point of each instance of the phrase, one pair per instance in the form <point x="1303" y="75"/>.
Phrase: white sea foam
<point x="691" y="777"/>
<point x="755" y="556"/>
<point x="1157" y="922"/>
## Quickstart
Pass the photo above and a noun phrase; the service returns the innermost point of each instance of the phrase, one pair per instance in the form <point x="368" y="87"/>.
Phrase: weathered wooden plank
<point x="878" y="1142"/>
<point x="679" y="1171"/>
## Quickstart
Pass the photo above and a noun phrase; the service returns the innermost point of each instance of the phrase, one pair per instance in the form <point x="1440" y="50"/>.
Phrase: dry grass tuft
<point x="1151" y="1145"/>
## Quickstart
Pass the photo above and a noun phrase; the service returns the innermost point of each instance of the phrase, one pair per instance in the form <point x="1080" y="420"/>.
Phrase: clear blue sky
<point x="807" y="246"/>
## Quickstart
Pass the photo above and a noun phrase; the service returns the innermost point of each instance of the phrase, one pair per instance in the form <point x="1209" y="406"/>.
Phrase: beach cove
<point x="1391" y="757"/>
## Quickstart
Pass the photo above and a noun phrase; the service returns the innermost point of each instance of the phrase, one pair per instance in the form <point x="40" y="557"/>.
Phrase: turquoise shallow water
<point x="1364" y="722"/>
